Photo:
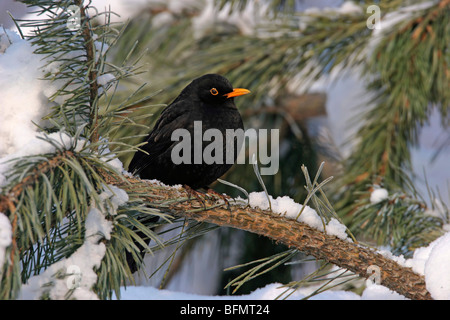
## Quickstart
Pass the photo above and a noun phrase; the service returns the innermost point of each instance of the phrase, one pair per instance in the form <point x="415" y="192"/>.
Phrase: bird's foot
<point x="224" y="197"/>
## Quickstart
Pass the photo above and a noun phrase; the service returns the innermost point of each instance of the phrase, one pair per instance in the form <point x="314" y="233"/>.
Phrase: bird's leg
<point x="224" y="197"/>
<point x="196" y="194"/>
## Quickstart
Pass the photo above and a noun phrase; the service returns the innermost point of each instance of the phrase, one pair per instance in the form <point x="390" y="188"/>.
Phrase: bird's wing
<point x="174" y="116"/>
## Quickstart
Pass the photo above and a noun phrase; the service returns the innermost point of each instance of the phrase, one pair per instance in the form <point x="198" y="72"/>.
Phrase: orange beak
<point x="237" y="92"/>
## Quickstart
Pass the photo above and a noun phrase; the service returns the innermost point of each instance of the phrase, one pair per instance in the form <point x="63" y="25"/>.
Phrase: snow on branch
<point x="300" y="235"/>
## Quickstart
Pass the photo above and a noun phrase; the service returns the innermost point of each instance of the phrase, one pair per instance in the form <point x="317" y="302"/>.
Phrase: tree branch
<point x="13" y="194"/>
<point x="351" y="256"/>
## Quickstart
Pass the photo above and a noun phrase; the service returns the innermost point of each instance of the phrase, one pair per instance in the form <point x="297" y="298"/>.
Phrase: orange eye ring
<point x="214" y="91"/>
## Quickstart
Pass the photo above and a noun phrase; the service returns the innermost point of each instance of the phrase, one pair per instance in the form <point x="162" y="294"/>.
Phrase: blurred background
<point x="311" y="70"/>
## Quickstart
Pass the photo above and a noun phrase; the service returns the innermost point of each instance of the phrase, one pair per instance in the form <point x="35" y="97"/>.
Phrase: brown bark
<point x="349" y="255"/>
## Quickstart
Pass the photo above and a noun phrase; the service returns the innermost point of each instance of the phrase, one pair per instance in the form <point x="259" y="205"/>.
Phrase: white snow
<point x="245" y="20"/>
<point x="379" y="292"/>
<point x="20" y="69"/>
<point x="80" y="263"/>
<point x="110" y="158"/>
<point x="378" y="195"/>
<point x="37" y="145"/>
<point x="393" y="19"/>
<point x="437" y="268"/>
<point x="335" y="228"/>
<point x="5" y="238"/>
<point x="24" y="95"/>
<point x="123" y="10"/>
<point x="22" y="101"/>
<point x="418" y="261"/>
<point x="78" y="269"/>
<point x="269" y="292"/>
<point x="349" y="7"/>
<point x="161" y="184"/>
<point x="433" y="262"/>
<point x="115" y="196"/>
<point x="178" y="6"/>
<point x="346" y="8"/>
<point x="105" y="79"/>
<point x="285" y="206"/>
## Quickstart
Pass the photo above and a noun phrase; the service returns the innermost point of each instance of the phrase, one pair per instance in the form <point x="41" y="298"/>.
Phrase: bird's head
<point x="215" y="89"/>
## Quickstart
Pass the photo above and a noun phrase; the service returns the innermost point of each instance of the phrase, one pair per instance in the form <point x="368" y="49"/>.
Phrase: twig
<point x="349" y="255"/>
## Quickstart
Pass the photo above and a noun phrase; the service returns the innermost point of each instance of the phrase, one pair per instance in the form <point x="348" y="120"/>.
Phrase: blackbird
<point x="209" y="99"/>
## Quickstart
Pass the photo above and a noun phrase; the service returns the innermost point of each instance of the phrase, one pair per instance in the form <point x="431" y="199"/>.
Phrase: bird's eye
<point x="214" y="91"/>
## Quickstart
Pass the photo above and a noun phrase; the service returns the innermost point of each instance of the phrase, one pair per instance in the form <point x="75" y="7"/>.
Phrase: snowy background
<point x="24" y="100"/>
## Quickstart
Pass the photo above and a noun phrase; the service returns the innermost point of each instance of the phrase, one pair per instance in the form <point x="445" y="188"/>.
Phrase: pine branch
<point x="348" y="255"/>
<point x="43" y="167"/>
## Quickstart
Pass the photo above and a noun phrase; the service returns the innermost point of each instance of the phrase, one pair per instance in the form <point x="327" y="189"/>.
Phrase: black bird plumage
<point x="209" y="99"/>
